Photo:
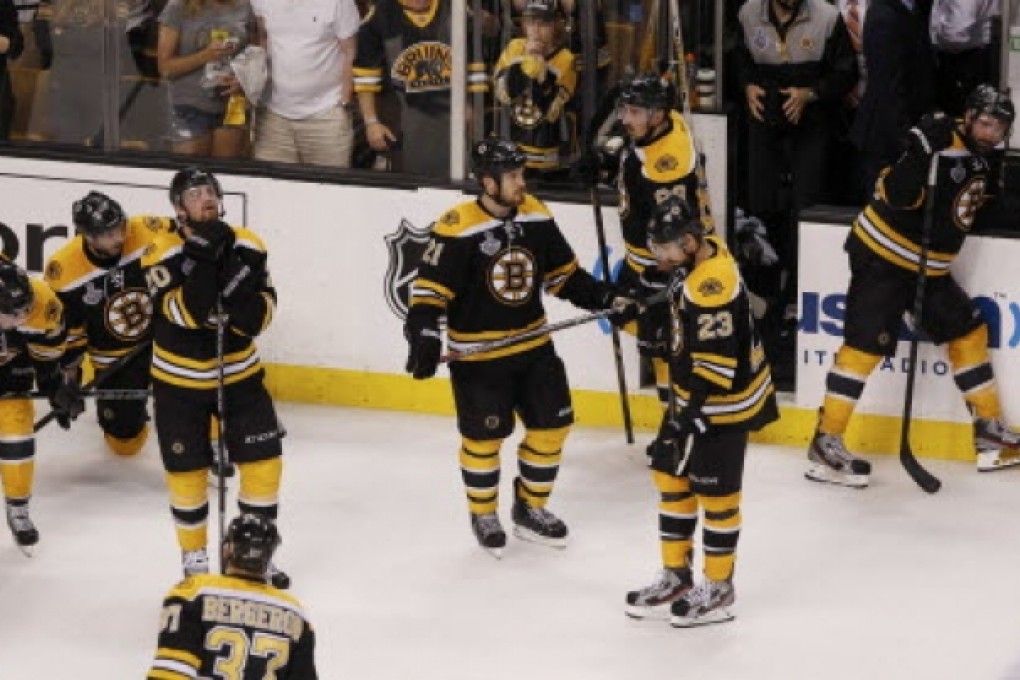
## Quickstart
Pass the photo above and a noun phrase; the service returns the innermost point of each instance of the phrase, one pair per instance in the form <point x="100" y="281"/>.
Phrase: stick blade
<point x="924" y="479"/>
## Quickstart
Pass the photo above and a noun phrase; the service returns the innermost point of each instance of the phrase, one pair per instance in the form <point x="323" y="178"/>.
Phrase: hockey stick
<point x="94" y="383"/>
<point x="221" y="426"/>
<point x="537" y="332"/>
<point x="106" y="395"/>
<point x="590" y="66"/>
<point x="924" y="479"/>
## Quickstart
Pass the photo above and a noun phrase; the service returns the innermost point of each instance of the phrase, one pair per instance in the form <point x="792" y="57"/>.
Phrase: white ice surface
<point x="832" y="583"/>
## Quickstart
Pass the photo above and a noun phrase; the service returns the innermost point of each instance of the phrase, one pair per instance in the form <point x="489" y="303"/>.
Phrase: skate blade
<point x="656" y="613"/>
<point x="495" y="552"/>
<point x="819" y="472"/>
<point x="720" y="615"/>
<point x="990" y="461"/>
<point x="530" y="536"/>
<point x="26" y="550"/>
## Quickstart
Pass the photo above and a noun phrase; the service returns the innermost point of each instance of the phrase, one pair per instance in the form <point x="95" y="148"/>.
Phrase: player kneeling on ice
<point x="884" y="248"/>
<point x="720" y="390"/>
<point x="485" y="268"/>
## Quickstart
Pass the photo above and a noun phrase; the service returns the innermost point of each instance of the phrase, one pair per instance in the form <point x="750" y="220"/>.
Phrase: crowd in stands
<point x="367" y="84"/>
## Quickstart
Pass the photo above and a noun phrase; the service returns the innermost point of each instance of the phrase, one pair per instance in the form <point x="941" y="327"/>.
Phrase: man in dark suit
<point x="901" y="82"/>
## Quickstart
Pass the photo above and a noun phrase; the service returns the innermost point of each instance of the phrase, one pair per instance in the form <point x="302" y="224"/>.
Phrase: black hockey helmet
<point x="649" y="91"/>
<point x="16" y="294"/>
<point x="671" y="219"/>
<point x="492" y="157"/>
<point x="546" y="10"/>
<point x="96" y="214"/>
<point x="252" y="540"/>
<point x="190" y="177"/>
<point x="988" y="99"/>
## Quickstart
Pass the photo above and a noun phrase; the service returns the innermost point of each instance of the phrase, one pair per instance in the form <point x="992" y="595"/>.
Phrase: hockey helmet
<point x="252" y="540"/>
<point x="192" y="177"/>
<point x="671" y="219"/>
<point x="987" y="99"/>
<point x="492" y="157"/>
<point x="649" y="91"/>
<point x="546" y="10"/>
<point x="16" y="294"/>
<point x="96" y="214"/>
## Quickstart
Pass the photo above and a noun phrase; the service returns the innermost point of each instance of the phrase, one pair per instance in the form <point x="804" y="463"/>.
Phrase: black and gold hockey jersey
<point x="215" y="626"/>
<point x="719" y="365"/>
<point x="487" y="274"/>
<point x="528" y="100"/>
<point x="38" y="340"/>
<point x="107" y="306"/>
<point x="184" y="332"/>
<point x="664" y="166"/>
<point x="412" y="51"/>
<point x="891" y="229"/>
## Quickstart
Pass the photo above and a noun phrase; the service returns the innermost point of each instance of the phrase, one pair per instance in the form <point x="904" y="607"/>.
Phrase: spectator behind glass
<point x="197" y="39"/>
<point x="965" y="46"/>
<point x="901" y="84"/>
<point x="311" y="46"/>
<point x="410" y="41"/>
<point x="10" y="47"/>
<point x="534" y="81"/>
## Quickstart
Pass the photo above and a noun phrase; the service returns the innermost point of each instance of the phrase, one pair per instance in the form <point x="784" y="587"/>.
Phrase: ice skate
<point x="704" y="604"/>
<point x="25" y="533"/>
<point x="652" y="602"/>
<point x="831" y="462"/>
<point x="537" y="525"/>
<point x="195" y="562"/>
<point x="277" y="577"/>
<point x="998" y="447"/>
<point x="489" y="533"/>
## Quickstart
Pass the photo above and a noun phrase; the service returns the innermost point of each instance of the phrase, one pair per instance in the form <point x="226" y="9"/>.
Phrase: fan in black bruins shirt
<point x="188" y="269"/>
<point x="485" y="268"/>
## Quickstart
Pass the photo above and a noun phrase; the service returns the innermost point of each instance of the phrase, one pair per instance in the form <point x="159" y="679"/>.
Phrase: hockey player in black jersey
<point x="98" y="277"/>
<point x="200" y="266"/>
<point x="235" y="625"/>
<point x="722" y="389"/>
<point x="884" y="251"/>
<point x="658" y="160"/>
<point x="485" y="268"/>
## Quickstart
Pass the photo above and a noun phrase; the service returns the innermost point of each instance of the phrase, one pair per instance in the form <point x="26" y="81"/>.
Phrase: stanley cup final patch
<point x="406" y="246"/>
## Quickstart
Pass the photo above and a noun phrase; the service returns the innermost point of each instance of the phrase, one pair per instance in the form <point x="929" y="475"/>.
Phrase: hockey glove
<point x="63" y="389"/>
<point x="424" y="343"/>
<point x="208" y="240"/>
<point x="671" y="449"/>
<point x="751" y="242"/>
<point x="625" y="305"/>
<point x="243" y="274"/>
<point x="933" y="133"/>
<point x="653" y="332"/>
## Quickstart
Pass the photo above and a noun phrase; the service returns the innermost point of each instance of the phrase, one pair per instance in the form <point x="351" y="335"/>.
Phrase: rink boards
<point x="342" y="256"/>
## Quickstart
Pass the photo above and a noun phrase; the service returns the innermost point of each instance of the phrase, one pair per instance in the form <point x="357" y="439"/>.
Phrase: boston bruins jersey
<point x="216" y="626"/>
<point x="107" y="305"/>
<point x="719" y="364"/>
<point x="412" y="51"/>
<point x="38" y="340"/>
<point x="528" y="100"/>
<point x="184" y="341"/>
<point x="487" y="274"/>
<point x="664" y="166"/>
<point x="892" y="229"/>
